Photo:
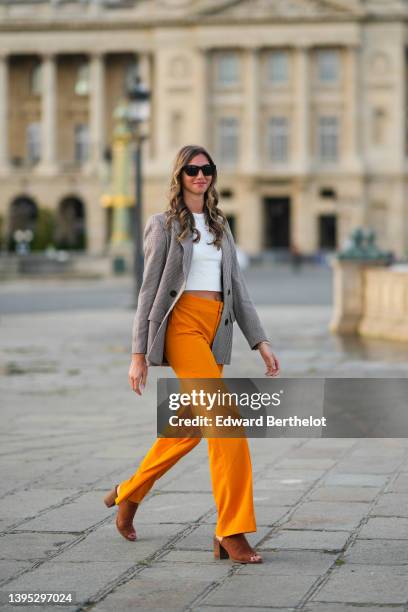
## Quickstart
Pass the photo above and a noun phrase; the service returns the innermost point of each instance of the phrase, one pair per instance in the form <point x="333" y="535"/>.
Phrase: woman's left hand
<point x="271" y="361"/>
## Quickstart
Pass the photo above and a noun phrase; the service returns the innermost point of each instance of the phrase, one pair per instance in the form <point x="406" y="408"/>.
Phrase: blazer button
<point x="226" y="321"/>
<point x="229" y="291"/>
<point x="173" y="293"/>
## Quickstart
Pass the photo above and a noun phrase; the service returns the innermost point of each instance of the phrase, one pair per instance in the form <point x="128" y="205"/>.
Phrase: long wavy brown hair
<point x="177" y="208"/>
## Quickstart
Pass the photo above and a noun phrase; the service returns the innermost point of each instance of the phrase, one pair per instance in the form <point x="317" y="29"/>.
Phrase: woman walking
<point x="192" y="292"/>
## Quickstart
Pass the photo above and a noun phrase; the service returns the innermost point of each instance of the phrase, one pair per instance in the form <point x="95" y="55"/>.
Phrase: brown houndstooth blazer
<point x="166" y="267"/>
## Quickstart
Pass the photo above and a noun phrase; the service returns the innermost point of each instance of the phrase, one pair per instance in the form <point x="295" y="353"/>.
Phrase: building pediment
<point x="270" y="10"/>
<point x="242" y="10"/>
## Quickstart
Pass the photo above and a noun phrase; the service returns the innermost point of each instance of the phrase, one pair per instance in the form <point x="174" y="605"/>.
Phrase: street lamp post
<point x="138" y="251"/>
<point x="138" y="111"/>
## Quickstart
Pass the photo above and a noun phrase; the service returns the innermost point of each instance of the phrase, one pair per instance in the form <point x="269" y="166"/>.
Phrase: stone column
<point x="159" y="110"/>
<point x="303" y="232"/>
<point x="302" y="80"/>
<point x="303" y="226"/>
<point x="249" y="141"/>
<point x="353" y="118"/>
<point x="352" y="129"/>
<point x="48" y="163"/>
<point x="4" y="152"/>
<point x="96" y="112"/>
<point x="201" y="93"/>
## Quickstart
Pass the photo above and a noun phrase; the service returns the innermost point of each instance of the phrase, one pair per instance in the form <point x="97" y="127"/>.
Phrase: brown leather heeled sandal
<point x="126" y="507"/>
<point x="236" y="548"/>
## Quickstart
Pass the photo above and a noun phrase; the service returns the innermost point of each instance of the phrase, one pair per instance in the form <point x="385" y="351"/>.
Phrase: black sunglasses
<point x="192" y="170"/>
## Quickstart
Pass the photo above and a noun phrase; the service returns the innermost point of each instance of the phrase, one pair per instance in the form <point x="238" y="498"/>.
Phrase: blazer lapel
<point x="187" y="244"/>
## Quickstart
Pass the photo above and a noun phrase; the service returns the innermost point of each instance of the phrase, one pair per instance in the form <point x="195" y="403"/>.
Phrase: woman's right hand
<point x="138" y="373"/>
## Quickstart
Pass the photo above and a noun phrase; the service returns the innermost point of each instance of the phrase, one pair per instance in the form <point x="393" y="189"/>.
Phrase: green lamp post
<point x="137" y="114"/>
<point x="120" y="198"/>
<point x="125" y="200"/>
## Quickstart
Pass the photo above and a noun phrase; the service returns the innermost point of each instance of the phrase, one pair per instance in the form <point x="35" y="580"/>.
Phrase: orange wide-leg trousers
<point x="191" y="328"/>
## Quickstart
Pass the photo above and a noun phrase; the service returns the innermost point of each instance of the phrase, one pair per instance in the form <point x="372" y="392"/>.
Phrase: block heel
<point x="219" y="550"/>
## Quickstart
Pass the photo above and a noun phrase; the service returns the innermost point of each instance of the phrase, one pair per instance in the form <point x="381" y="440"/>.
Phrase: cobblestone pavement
<point x="332" y="514"/>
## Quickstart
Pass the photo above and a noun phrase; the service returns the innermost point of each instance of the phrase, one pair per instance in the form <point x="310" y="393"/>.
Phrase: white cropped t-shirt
<point x="205" y="270"/>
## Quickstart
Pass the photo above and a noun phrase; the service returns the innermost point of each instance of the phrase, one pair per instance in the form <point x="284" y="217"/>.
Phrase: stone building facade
<point x="303" y="104"/>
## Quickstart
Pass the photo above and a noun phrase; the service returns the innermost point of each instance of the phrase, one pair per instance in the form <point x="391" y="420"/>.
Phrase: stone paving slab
<point x="82" y="474"/>
<point x="104" y="544"/>
<point x="8" y="568"/>
<point x="189" y="483"/>
<point x="281" y="478"/>
<point x="385" y="527"/>
<point x="368" y="465"/>
<point x="282" y="497"/>
<point x="344" y="494"/>
<point x="75" y="516"/>
<point x="304" y="463"/>
<point x="291" y="562"/>
<point x="355" y="480"/>
<point x="331" y="541"/>
<point x="32" y="546"/>
<point x="337" y="516"/>
<point x="25" y="504"/>
<point x="391" y="504"/>
<point x="276" y="590"/>
<point x="378" y="552"/>
<point x="175" y="507"/>
<point x="367" y="584"/>
<point x="144" y="594"/>
<point x="399" y="484"/>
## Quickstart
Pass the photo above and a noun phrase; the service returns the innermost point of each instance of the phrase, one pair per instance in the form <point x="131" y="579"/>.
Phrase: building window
<point x="34" y="142"/>
<point x="327" y="231"/>
<point x="379" y="119"/>
<point x="35" y="79"/>
<point x="176" y="128"/>
<point x="82" y="80"/>
<point x="228" y="140"/>
<point x="328" y="138"/>
<point x="328" y="65"/>
<point x="278" y="67"/>
<point x="81" y="144"/>
<point x="278" y="139"/>
<point x="328" y="193"/>
<point x="227" y="68"/>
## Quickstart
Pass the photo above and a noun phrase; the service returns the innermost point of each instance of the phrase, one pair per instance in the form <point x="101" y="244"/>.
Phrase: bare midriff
<point x="209" y="295"/>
